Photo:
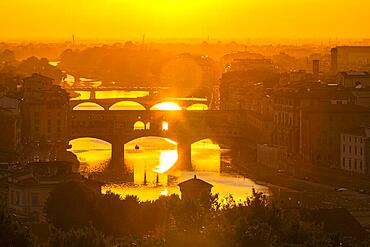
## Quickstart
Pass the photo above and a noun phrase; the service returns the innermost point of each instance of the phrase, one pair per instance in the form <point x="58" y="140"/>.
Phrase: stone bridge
<point x="146" y="102"/>
<point x="183" y="127"/>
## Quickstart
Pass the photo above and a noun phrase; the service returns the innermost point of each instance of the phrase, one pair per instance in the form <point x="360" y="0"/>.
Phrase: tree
<point x="71" y="205"/>
<point x="13" y="234"/>
<point x="84" y="237"/>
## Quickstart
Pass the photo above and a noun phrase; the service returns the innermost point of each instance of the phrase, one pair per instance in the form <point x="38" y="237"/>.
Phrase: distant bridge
<point x="183" y="127"/>
<point x="146" y="102"/>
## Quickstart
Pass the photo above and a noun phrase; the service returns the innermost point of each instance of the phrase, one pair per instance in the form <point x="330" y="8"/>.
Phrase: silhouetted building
<point x="45" y="113"/>
<point x="194" y="189"/>
<point x="29" y="189"/>
<point x="355" y="150"/>
<point x="354" y="79"/>
<point x="288" y="102"/>
<point x="362" y="96"/>
<point x="299" y="76"/>
<point x="321" y="127"/>
<point x="236" y="85"/>
<point x="10" y="125"/>
<point x="271" y="156"/>
<point x="316" y="69"/>
<point x="344" y="58"/>
<point x="262" y="65"/>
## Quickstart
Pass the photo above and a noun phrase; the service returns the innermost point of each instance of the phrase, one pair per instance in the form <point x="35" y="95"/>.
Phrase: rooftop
<point x="360" y="131"/>
<point x="355" y="74"/>
<point x="195" y="182"/>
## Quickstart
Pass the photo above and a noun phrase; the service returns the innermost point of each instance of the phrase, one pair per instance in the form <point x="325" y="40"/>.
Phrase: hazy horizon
<point x="239" y="20"/>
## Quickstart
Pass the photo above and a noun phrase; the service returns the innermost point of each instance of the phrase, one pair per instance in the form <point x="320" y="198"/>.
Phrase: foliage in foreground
<point x="12" y="233"/>
<point x="84" y="237"/>
<point x="170" y="221"/>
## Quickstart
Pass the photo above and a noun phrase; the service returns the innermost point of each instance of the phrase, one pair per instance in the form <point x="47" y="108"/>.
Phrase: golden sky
<point x="163" y="19"/>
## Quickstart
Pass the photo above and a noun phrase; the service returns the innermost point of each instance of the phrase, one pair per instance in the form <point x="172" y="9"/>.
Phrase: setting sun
<point x="166" y="106"/>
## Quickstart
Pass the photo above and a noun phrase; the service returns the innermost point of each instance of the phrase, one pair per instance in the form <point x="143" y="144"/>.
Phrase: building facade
<point x="29" y="189"/>
<point x="354" y="79"/>
<point x="355" y="150"/>
<point x="288" y="102"/>
<point x="344" y="58"/>
<point x="321" y="128"/>
<point x="10" y="124"/>
<point x="45" y="113"/>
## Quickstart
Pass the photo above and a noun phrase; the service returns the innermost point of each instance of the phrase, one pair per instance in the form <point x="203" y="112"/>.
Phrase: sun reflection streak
<point x="167" y="159"/>
<point x="164" y="192"/>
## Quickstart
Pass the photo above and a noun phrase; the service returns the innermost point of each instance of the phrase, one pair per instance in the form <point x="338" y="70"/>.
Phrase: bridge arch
<point x="147" y="161"/>
<point x="88" y="106"/>
<point x="139" y="125"/>
<point x="166" y="106"/>
<point x="93" y="153"/>
<point x="197" y="107"/>
<point x="206" y="155"/>
<point x="127" y="105"/>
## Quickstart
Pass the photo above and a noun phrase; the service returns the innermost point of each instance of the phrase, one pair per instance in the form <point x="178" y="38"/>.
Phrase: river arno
<point x="150" y="163"/>
<point x="149" y="160"/>
<point x="149" y="168"/>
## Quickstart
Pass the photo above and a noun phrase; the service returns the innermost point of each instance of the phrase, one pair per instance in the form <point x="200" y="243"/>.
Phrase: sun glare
<point x="165" y="126"/>
<point x="166" y="106"/>
<point x="167" y="160"/>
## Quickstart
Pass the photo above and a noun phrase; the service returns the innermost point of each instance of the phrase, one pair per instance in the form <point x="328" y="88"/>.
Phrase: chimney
<point x="316" y="68"/>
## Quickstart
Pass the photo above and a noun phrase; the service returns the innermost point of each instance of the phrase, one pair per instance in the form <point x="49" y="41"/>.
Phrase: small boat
<point x="137" y="147"/>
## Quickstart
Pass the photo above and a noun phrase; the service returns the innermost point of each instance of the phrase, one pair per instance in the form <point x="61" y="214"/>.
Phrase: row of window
<point x="283" y="118"/>
<point x="349" y="148"/>
<point x="350" y="139"/>
<point x="15" y="198"/>
<point x="347" y="164"/>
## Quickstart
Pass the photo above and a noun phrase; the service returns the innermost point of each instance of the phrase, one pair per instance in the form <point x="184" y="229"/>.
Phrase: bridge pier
<point x="184" y="156"/>
<point x="92" y="94"/>
<point x="117" y="157"/>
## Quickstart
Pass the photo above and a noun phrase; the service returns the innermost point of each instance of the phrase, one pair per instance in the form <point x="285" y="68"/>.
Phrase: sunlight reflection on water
<point x="157" y="154"/>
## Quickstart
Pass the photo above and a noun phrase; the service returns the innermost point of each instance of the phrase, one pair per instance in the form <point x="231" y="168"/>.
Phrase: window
<point x="355" y="164"/>
<point x="355" y="150"/>
<point x="344" y="148"/>
<point x="344" y="163"/>
<point x="350" y="149"/>
<point x="350" y="163"/>
<point x="350" y="139"/>
<point x="361" y="165"/>
<point x="12" y="196"/>
<point x="17" y="198"/>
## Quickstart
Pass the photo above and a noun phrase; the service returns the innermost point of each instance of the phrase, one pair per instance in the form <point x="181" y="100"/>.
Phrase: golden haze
<point x="166" y="19"/>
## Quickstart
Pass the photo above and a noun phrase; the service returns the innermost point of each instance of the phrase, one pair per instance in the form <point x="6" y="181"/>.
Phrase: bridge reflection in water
<point x="155" y="155"/>
<point x="149" y="158"/>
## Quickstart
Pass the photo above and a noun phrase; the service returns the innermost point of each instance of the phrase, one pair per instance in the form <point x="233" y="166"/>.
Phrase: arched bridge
<point x="183" y="127"/>
<point x="146" y="102"/>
